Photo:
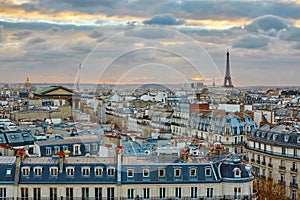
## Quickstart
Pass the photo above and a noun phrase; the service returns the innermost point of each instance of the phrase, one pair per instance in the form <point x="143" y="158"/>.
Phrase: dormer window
<point x="275" y="136"/>
<point x="193" y="172"/>
<point x="287" y="138"/>
<point x="298" y="140"/>
<point x="85" y="171"/>
<point x="98" y="171"/>
<point x="270" y="136"/>
<point x="25" y="171"/>
<point x="70" y="171"/>
<point x="161" y="173"/>
<point x="37" y="171"/>
<point x="207" y="171"/>
<point x="111" y="171"/>
<point x="177" y="173"/>
<point x="130" y="173"/>
<point x="146" y="173"/>
<point x="237" y="172"/>
<point x="53" y="171"/>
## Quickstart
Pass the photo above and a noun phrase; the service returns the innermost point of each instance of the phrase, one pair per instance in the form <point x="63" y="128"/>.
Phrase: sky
<point x="150" y="41"/>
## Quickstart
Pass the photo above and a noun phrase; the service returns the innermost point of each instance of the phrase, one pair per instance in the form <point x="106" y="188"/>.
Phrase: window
<point x="193" y="172"/>
<point x="178" y="192"/>
<point x="130" y="173"/>
<point x="282" y="163"/>
<point x="111" y="171"/>
<point x="8" y="172"/>
<point x="146" y="193"/>
<point x="56" y="150"/>
<point x="85" y="193"/>
<point x="2" y="193"/>
<point x="98" y="171"/>
<point x="70" y="171"/>
<point x="69" y="194"/>
<point x="98" y="193"/>
<point x="24" y="193"/>
<point x="207" y="172"/>
<point x="294" y="180"/>
<point x="145" y="173"/>
<point x="85" y="171"/>
<point x="237" y="172"/>
<point x="53" y="193"/>
<point x="48" y="151"/>
<point x="294" y="166"/>
<point x="110" y="193"/>
<point x="281" y="178"/>
<point x="194" y="192"/>
<point x="25" y="171"/>
<point x="283" y="150"/>
<point x="65" y="148"/>
<point x="161" y="173"/>
<point x="87" y="147"/>
<point x="209" y="192"/>
<point x="130" y="193"/>
<point x="294" y="195"/>
<point x="94" y="147"/>
<point x="162" y="193"/>
<point x="53" y="171"/>
<point x="36" y="193"/>
<point x="76" y="149"/>
<point x="237" y="193"/>
<point x="37" y="171"/>
<point x="177" y="173"/>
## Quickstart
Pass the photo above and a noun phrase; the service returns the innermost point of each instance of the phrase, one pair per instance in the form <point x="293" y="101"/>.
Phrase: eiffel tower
<point x="227" y="79"/>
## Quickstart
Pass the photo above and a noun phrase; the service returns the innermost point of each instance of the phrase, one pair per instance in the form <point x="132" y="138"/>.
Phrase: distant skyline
<point x="47" y="40"/>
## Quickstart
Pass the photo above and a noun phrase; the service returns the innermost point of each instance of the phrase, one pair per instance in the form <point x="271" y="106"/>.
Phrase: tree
<point x="269" y="190"/>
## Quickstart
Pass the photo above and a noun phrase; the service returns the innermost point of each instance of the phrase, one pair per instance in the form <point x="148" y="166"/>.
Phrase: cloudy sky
<point x="150" y="41"/>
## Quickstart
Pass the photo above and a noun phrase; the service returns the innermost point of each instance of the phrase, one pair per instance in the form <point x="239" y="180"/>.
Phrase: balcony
<point x="281" y="182"/>
<point x="294" y="185"/>
<point x="258" y="161"/>
<point x="270" y="165"/>
<point x="263" y="162"/>
<point x="282" y="167"/>
<point x="294" y="169"/>
<point x="246" y="159"/>
<point x="252" y="160"/>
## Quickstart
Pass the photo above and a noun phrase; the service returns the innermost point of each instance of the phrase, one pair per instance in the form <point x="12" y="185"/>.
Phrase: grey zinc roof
<point x="70" y="140"/>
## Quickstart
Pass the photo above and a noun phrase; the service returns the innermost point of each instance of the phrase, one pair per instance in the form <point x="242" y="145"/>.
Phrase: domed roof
<point x="27" y="83"/>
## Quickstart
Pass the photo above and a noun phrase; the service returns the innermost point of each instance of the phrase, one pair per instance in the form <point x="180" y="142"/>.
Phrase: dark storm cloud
<point x="20" y="35"/>
<point x="232" y="9"/>
<point x="292" y="34"/>
<point x="267" y="24"/>
<point x="251" y="42"/>
<point x="166" y="19"/>
<point x="297" y="46"/>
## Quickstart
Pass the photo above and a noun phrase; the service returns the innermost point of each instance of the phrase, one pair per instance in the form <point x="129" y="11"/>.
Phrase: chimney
<point x="19" y="156"/>
<point x="184" y="154"/>
<point x="119" y="155"/>
<point x="61" y="161"/>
